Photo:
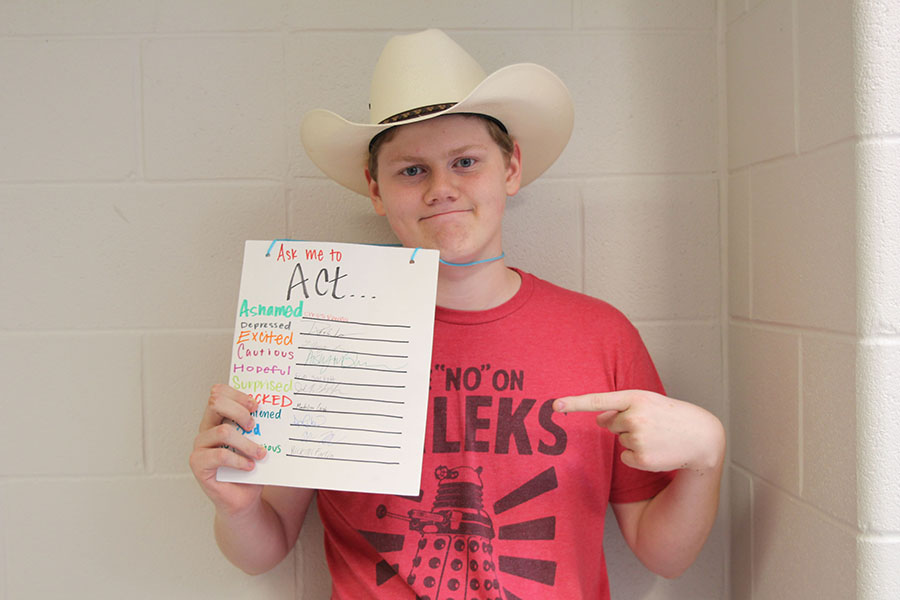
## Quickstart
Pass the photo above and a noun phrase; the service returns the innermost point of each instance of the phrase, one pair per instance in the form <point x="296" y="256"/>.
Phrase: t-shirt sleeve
<point x="635" y="371"/>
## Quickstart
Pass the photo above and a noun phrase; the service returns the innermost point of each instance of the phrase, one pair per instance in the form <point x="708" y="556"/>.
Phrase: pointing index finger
<point x="601" y="402"/>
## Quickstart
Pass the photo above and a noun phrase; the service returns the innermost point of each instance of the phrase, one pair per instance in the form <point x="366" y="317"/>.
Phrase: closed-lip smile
<point x="446" y="212"/>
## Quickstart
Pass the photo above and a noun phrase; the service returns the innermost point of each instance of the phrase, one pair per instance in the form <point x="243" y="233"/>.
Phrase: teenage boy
<point x="517" y="475"/>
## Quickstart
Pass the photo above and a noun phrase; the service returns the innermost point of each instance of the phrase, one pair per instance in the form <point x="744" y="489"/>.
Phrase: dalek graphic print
<point x="454" y="555"/>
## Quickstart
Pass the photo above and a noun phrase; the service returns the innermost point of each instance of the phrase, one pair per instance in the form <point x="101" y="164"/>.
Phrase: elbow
<point x="671" y="571"/>
<point x="670" y="566"/>
<point x="254" y="569"/>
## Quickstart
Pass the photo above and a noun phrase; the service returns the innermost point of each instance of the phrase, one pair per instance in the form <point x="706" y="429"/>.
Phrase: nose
<point x="441" y="188"/>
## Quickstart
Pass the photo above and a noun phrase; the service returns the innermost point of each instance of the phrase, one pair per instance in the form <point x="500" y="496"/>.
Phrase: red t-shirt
<point x="513" y="496"/>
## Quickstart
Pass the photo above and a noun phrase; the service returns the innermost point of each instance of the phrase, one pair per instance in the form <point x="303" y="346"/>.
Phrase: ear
<point x="375" y="195"/>
<point x="514" y="171"/>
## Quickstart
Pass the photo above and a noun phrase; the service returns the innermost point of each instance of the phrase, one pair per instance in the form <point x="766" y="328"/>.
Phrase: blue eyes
<point x="414" y="170"/>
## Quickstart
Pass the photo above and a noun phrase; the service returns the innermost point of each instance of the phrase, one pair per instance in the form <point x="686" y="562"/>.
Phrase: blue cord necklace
<point x="474" y="262"/>
<point x="468" y="264"/>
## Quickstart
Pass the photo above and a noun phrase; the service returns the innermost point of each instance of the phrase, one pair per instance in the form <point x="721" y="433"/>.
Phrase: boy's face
<point x="443" y="184"/>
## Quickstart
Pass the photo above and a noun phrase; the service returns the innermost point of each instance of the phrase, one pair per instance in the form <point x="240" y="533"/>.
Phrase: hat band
<point x="417" y="112"/>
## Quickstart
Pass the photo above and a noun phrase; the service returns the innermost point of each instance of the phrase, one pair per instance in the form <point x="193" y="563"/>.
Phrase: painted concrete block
<point x="878" y="436"/>
<point x="130" y="257"/>
<point x="116" y="17"/>
<point x="3" y="541"/>
<point x="179" y="370"/>
<point x="61" y="97"/>
<point x="669" y="14"/>
<point x="877" y="52"/>
<point x="825" y="78"/>
<point x="804" y="242"/>
<point x="760" y="85"/>
<point x="644" y="103"/>
<point x="313" y="577"/>
<point x="785" y="530"/>
<point x="734" y="9"/>
<point x="652" y="246"/>
<point x="878" y="221"/>
<point x="141" y="538"/>
<point x="764" y="412"/>
<point x="740" y="493"/>
<point x="542" y="232"/>
<point x="26" y="17"/>
<point x="878" y="575"/>
<point x="688" y="357"/>
<point x="75" y="400"/>
<point x="331" y="71"/>
<point x="218" y="15"/>
<point x="739" y="236"/>
<point x="214" y="107"/>
<point x="413" y="16"/>
<point x="319" y="209"/>
<point x="829" y="425"/>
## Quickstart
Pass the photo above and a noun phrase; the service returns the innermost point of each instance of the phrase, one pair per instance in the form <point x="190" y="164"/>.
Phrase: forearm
<point x="674" y="525"/>
<point x="254" y="541"/>
<point x="662" y="434"/>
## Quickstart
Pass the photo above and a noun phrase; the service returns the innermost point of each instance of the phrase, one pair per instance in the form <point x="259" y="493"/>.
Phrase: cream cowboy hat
<point x="425" y="75"/>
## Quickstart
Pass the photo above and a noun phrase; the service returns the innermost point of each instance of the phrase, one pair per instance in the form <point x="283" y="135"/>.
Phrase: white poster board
<point x="334" y="340"/>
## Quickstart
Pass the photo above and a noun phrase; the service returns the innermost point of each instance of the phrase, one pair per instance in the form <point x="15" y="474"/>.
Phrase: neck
<point x="477" y="287"/>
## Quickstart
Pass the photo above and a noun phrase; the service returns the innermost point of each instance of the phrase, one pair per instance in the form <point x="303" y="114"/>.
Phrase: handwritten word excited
<point x="265" y="337"/>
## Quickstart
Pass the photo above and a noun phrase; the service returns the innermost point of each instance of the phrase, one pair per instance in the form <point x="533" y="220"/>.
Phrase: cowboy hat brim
<point x="529" y="100"/>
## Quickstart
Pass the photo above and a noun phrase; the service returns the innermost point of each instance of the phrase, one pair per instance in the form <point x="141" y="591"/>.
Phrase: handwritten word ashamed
<point x="270" y="310"/>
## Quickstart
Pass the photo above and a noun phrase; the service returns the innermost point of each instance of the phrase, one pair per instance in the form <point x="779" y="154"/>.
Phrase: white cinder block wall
<point x="814" y="282"/>
<point x="877" y="67"/>
<point x="141" y="141"/>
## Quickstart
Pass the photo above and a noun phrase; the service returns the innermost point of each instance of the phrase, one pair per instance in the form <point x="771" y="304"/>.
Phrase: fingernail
<point x="559" y="406"/>
<point x="261" y="451"/>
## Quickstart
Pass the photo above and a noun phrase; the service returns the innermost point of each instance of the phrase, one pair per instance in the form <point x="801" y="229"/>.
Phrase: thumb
<point x="606" y="418"/>
<point x="629" y="459"/>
